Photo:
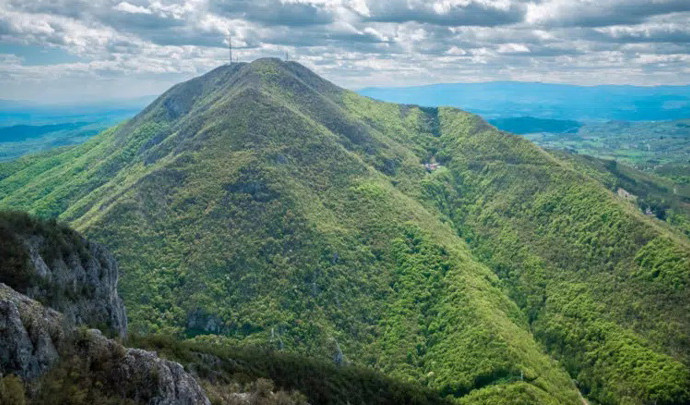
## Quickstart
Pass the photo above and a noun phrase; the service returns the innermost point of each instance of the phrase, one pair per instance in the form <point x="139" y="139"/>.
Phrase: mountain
<point x="262" y="203"/>
<point x="548" y="100"/>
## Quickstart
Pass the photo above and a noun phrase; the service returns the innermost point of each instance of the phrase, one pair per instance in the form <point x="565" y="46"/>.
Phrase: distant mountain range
<point x="545" y="100"/>
<point x="22" y="112"/>
<point x="28" y="127"/>
<point x="530" y="125"/>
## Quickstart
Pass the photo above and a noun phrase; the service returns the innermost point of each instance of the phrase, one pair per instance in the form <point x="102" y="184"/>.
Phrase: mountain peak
<point x="266" y="67"/>
<point x="220" y="85"/>
<point x="268" y="61"/>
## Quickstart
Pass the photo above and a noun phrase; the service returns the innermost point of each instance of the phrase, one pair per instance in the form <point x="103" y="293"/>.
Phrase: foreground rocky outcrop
<point x="29" y="335"/>
<point x="37" y="342"/>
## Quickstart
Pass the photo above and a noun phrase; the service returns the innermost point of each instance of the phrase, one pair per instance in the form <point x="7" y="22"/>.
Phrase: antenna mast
<point x="230" y="45"/>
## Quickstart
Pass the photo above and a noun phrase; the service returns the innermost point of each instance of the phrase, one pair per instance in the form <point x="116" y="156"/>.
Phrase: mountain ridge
<point x="297" y="214"/>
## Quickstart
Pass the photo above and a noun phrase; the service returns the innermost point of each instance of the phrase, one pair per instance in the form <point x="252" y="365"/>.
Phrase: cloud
<point x="275" y="12"/>
<point x="599" y="13"/>
<point x="131" y="8"/>
<point x="673" y="28"/>
<point x="513" y="48"/>
<point x="447" y="12"/>
<point x="140" y="45"/>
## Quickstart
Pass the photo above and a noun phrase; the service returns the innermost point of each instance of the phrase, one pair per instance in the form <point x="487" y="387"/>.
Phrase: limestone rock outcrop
<point x="56" y="284"/>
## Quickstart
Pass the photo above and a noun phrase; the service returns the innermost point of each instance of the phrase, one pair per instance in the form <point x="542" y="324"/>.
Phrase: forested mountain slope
<point x="654" y="195"/>
<point x="263" y="203"/>
<point x="49" y="357"/>
<point x="604" y="287"/>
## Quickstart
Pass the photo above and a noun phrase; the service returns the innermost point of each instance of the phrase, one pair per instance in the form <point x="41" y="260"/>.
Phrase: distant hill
<point x="527" y="125"/>
<point x="29" y="127"/>
<point x="31" y="113"/>
<point x="662" y="148"/>
<point x="17" y="133"/>
<point x="545" y="100"/>
<point x="21" y="112"/>
<point x="19" y="140"/>
<point x="265" y="205"/>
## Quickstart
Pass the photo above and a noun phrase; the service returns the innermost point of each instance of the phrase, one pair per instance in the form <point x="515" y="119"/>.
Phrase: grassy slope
<point x="263" y="203"/>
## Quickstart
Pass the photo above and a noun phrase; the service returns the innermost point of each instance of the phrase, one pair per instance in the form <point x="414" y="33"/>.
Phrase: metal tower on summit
<point x="230" y="45"/>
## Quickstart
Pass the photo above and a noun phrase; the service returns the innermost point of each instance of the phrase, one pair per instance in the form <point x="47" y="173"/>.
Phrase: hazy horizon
<point x="148" y="96"/>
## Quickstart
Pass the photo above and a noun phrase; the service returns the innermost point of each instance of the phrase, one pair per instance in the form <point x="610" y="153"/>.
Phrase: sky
<point x="70" y="50"/>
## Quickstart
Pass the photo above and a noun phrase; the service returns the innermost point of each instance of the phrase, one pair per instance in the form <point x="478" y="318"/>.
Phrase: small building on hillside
<point x="431" y="166"/>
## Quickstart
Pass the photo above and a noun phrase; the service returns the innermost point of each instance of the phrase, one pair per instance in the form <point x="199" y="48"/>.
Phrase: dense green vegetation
<point x="230" y="375"/>
<point x="262" y="203"/>
<point x="220" y="365"/>
<point x="604" y="288"/>
<point x="12" y="390"/>
<point x="654" y="195"/>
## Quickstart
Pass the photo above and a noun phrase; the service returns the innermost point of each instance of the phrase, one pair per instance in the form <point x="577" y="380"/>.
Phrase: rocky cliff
<point x="29" y="335"/>
<point x="57" y="267"/>
<point x="60" y="281"/>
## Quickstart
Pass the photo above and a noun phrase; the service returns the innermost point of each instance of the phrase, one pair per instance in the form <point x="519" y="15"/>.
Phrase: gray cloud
<point x="122" y="44"/>
<point x="273" y="12"/>
<point x="594" y="13"/>
<point x="484" y="13"/>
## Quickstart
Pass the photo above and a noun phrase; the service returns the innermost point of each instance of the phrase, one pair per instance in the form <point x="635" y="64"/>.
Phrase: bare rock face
<point x="29" y="335"/>
<point x="80" y="283"/>
<point x="27" y="343"/>
<point x="161" y="381"/>
<point x="33" y="339"/>
<point x="56" y="266"/>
